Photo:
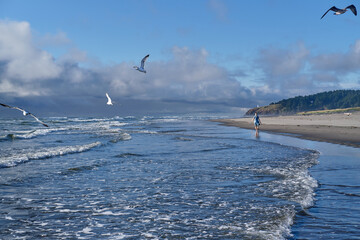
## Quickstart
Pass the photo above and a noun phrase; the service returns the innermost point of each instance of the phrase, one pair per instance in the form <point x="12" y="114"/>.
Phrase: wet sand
<point x="333" y="128"/>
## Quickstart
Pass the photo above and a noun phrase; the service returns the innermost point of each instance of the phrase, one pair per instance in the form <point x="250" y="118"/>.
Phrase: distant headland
<point x="324" y="102"/>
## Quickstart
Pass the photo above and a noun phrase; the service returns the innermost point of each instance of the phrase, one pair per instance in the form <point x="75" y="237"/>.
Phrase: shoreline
<point x="336" y="172"/>
<point x="332" y="128"/>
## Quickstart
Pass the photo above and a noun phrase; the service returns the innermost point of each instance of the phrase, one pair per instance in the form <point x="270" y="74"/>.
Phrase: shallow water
<point x="335" y="213"/>
<point x="170" y="177"/>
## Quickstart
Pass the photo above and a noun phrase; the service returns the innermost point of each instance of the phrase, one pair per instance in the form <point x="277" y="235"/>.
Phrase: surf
<point x="13" y="160"/>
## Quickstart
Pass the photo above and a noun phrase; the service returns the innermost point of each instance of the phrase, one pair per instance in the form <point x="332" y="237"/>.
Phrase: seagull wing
<point x="333" y="8"/>
<point x="4" y="105"/>
<point x="143" y="61"/>
<point x="107" y="95"/>
<point x="17" y="108"/>
<point x="38" y="120"/>
<point x="109" y="102"/>
<point x="352" y="8"/>
<point x="25" y="113"/>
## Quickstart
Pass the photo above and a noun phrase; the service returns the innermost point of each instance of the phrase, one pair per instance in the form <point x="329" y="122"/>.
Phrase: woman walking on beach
<point x="257" y="121"/>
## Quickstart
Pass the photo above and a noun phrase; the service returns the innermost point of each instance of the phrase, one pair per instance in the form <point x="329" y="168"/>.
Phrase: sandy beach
<point x="334" y="128"/>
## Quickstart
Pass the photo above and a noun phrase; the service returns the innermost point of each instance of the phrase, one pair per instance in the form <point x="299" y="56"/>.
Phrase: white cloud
<point x="21" y="90"/>
<point x="284" y="71"/>
<point x="295" y="71"/>
<point x="339" y="62"/>
<point x="74" y="55"/>
<point x="278" y="62"/>
<point x="188" y="75"/>
<point x="23" y="61"/>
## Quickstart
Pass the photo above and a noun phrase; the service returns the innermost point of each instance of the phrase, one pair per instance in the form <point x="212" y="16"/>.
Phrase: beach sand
<point x="333" y="128"/>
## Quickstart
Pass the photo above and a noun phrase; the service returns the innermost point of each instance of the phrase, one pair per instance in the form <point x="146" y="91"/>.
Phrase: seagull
<point x="141" y="68"/>
<point x="109" y="100"/>
<point x="339" y="11"/>
<point x="25" y="113"/>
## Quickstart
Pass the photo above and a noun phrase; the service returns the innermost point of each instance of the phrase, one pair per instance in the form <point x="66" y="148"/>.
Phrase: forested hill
<point x="320" y="101"/>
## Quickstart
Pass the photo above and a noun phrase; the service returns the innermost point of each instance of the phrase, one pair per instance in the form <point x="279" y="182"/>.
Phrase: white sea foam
<point x="8" y="217"/>
<point x="121" y="137"/>
<point x="117" y="124"/>
<point x="118" y="236"/>
<point x="32" y="133"/>
<point x="68" y="211"/>
<point x="110" y="213"/>
<point x="15" y="159"/>
<point x="146" y="131"/>
<point x="149" y="235"/>
<point x="88" y="119"/>
<point x="87" y="230"/>
<point x="149" y="120"/>
<point x="294" y="184"/>
<point x="99" y="225"/>
<point x="97" y="127"/>
<point x="274" y="223"/>
<point x="125" y="136"/>
<point x="69" y="126"/>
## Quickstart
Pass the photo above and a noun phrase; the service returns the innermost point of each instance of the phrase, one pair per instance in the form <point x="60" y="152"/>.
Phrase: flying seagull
<point x="109" y="102"/>
<point x="141" y="68"/>
<point x="339" y="11"/>
<point x="25" y="113"/>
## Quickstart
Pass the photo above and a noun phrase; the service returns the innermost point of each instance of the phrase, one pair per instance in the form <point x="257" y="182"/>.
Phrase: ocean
<point x="158" y="177"/>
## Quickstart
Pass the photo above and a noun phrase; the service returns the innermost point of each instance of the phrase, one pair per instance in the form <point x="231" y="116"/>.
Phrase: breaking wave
<point x="15" y="159"/>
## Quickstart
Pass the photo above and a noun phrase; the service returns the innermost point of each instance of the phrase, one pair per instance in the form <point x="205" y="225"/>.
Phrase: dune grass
<point x="339" y="110"/>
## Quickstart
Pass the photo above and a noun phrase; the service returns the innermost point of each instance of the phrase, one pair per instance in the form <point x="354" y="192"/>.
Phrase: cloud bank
<point x="188" y="76"/>
<point x="29" y="71"/>
<point x="23" y="67"/>
<point x="295" y="71"/>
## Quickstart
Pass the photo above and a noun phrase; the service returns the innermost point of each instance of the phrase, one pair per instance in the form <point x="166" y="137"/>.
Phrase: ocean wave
<point x="294" y="185"/>
<point x="87" y="119"/>
<point x="293" y="182"/>
<point x="121" y="137"/>
<point x="150" y="120"/>
<point x="117" y="124"/>
<point x="30" y="134"/>
<point x="78" y="169"/>
<point x="145" y="131"/>
<point x="97" y="126"/>
<point x="287" y="178"/>
<point x="126" y="155"/>
<point x="9" y="136"/>
<point x="274" y="223"/>
<point x="15" y="159"/>
<point x="183" y="139"/>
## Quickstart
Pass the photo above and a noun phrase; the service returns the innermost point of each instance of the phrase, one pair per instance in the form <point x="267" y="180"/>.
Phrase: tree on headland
<point x="320" y="101"/>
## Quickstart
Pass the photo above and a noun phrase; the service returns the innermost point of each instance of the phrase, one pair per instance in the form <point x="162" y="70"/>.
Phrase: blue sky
<point x="204" y="54"/>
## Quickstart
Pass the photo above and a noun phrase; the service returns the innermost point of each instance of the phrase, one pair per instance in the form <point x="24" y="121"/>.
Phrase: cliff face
<point x="273" y="109"/>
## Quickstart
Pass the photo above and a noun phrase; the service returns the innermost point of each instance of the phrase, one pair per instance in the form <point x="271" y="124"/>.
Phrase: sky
<point x="61" y="57"/>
